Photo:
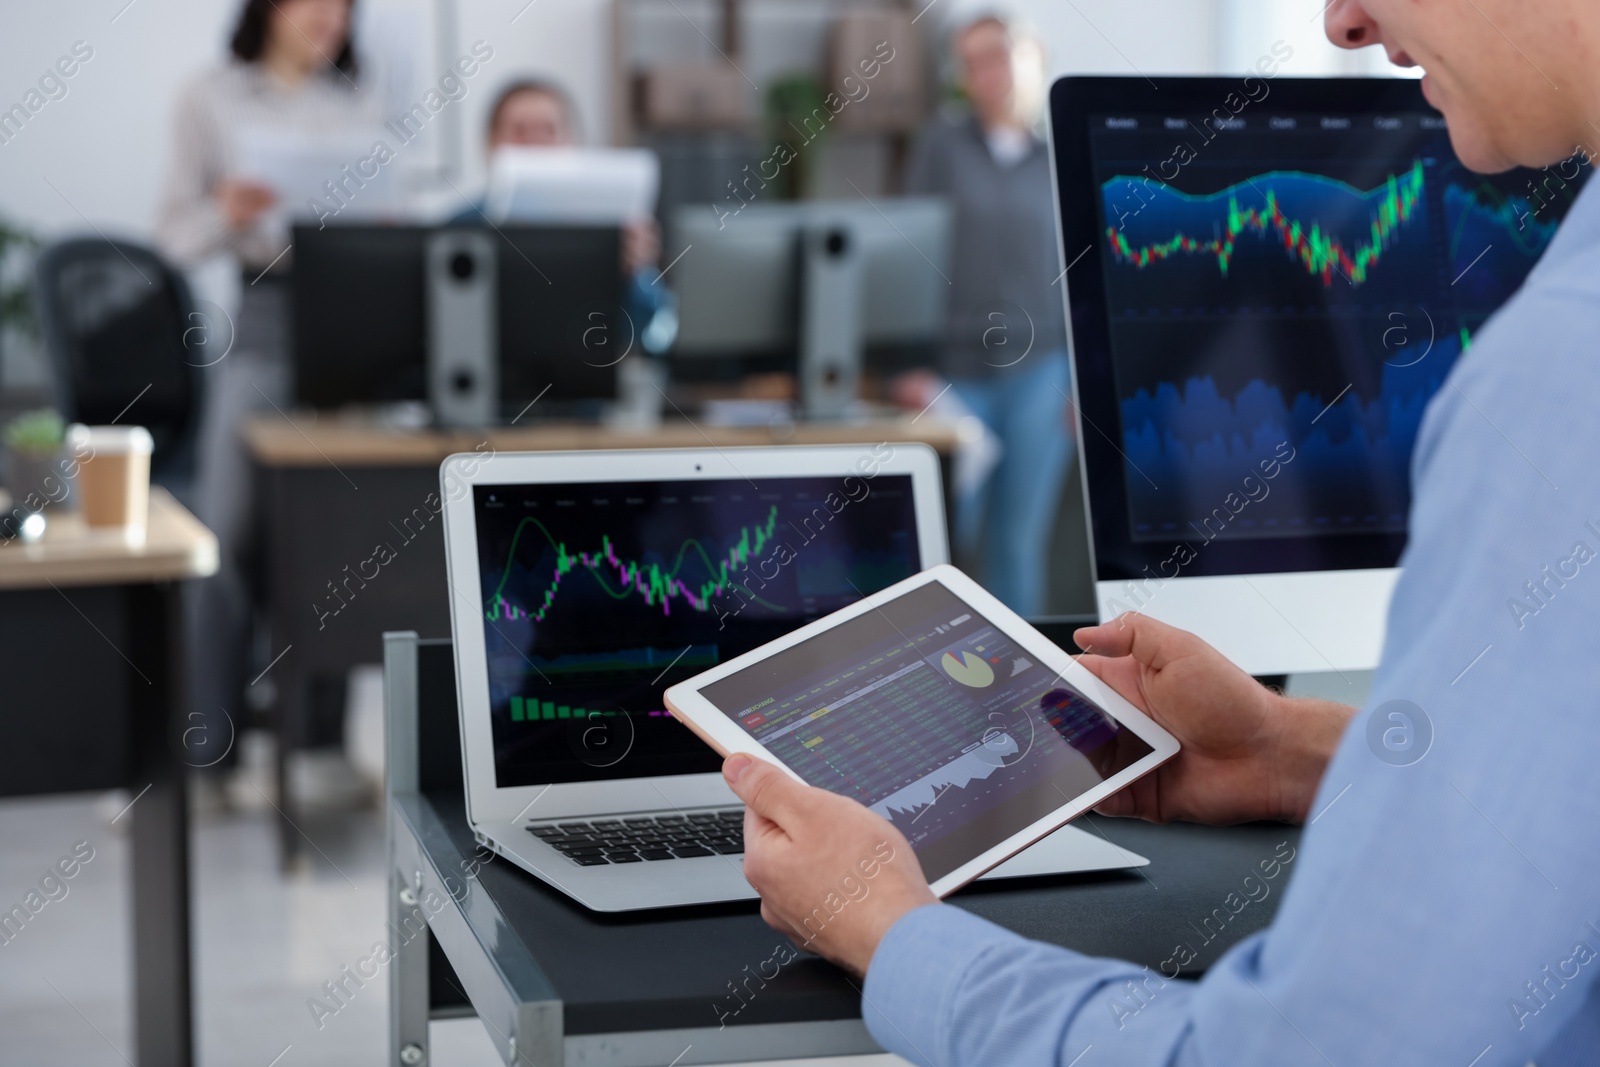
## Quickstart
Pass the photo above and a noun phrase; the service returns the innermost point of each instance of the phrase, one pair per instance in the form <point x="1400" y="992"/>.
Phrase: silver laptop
<point x="585" y="583"/>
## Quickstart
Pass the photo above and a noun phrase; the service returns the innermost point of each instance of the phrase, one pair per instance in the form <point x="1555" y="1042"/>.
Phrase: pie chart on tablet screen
<point x="971" y="669"/>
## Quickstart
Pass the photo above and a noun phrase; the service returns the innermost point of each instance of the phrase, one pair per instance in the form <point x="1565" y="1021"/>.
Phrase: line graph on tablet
<point x="981" y="761"/>
<point x="931" y="715"/>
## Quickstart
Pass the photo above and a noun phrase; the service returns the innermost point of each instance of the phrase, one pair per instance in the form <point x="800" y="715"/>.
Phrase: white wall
<point x="1246" y="29"/>
<point x="104" y="144"/>
<point x="1149" y="37"/>
<point x="567" y="40"/>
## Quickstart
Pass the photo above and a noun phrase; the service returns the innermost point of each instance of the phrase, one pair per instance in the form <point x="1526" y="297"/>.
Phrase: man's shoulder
<point x="1569" y="268"/>
<point x="1551" y="321"/>
<point x="1526" y="378"/>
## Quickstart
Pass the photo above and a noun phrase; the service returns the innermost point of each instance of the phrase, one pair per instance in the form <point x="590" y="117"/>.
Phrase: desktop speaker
<point x="831" y="281"/>
<point x="463" y="341"/>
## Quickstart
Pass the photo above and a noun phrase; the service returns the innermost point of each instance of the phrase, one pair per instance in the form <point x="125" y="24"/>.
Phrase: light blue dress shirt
<point x="1444" y="911"/>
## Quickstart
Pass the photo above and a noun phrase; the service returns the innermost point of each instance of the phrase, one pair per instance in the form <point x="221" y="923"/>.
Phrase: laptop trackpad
<point x="1067" y="851"/>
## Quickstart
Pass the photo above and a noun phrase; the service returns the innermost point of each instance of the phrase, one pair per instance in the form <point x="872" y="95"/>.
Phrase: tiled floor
<point x="265" y="943"/>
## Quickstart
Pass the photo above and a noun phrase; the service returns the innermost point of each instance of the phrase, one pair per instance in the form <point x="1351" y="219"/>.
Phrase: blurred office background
<point x="92" y="160"/>
<point x="639" y="72"/>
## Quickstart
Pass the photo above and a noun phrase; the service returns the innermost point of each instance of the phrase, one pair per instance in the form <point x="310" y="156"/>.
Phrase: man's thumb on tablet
<point x="765" y="789"/>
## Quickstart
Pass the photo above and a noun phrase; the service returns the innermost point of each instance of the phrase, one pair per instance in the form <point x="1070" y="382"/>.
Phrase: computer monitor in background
<point x="1268" y="280"/>
<point x="359" y="333"/>
<point x="361" y="313"/>
<point x="816" y="284"/>
<point x="563" y="324"/>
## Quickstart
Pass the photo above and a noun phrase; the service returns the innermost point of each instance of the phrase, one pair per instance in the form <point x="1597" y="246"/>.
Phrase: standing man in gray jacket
<point x="1005" y="347"/>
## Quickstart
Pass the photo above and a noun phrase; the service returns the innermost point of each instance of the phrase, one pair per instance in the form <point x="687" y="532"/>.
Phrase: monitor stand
<point x="832" y="277"/>
<point x="1293" y="623"/>
<point x="463" y="342"/>
<point x="1067" y="851"/>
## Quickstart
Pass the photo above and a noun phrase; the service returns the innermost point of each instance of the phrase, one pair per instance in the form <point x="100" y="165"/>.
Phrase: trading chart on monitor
<point x="598" y="597"/>
<point x="1291" y="290"/>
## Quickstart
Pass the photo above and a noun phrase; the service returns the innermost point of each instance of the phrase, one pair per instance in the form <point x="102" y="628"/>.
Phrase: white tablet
<point x="939" y="708"/>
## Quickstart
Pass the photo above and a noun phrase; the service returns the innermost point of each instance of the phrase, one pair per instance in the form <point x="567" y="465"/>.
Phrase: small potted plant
<point x="33" y="453"/>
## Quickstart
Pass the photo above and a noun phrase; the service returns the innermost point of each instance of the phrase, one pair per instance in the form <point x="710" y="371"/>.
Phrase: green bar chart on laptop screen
<point x="527" y="709"/>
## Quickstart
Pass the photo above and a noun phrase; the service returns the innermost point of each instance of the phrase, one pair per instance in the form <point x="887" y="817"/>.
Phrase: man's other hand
<point x="832" y="875"/>
<point x="1248" y="751"/>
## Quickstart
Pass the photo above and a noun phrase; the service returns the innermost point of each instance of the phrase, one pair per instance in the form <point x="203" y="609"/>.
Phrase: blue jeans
<point x="1005" y="524"/>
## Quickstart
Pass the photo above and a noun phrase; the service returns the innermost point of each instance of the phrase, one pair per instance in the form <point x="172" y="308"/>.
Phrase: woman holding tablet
<point x="1445" y="906"/>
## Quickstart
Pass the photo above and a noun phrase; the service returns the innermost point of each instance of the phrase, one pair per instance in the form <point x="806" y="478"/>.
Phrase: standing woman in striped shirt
<point x="292" y="74"/>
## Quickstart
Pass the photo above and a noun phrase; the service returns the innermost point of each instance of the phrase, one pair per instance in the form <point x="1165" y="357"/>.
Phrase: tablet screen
<point x="928" y="714"/>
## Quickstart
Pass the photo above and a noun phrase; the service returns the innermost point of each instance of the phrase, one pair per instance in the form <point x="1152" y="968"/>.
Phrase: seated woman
<point x="534" y="113"/>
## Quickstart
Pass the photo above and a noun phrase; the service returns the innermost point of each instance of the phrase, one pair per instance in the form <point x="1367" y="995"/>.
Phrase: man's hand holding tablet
<point x="954" y="734"/>
<point x="835" y="873"/>
<point x="1249" y="753"/>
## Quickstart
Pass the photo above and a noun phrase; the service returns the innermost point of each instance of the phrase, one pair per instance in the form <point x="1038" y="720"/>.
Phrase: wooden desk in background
<point x="333" y="490"/>
<point x="91" y="650"/>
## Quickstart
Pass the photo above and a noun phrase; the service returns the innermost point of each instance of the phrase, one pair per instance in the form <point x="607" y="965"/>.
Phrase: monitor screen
<point x="741" y="292"/>
<point x="598" y="596"/>
<point x="360" y="314"/>
<point x="360" y="326"/>
<point x="928" y="714"/>
<point x="1276" y="277"/>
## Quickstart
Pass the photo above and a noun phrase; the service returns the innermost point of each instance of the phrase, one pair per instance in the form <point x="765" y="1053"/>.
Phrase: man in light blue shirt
<point x="1442" y="912"/>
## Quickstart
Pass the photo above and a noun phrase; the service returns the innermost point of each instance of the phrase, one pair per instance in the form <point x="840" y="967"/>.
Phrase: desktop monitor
<point x="563" y="321"/>
<point x="360" y="314"/>
<point x="1267" y="280"/>
<point x="359" y="331"/>
<point x="814" y="283"/>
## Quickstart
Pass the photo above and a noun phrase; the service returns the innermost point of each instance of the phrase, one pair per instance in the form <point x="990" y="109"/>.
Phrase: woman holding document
<point x="243" y="133"/>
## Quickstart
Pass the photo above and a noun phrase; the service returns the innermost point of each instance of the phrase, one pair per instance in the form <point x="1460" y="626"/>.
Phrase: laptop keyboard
<point x="646" y="838"/>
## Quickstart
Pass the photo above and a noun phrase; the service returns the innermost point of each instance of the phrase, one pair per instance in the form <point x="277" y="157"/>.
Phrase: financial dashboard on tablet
<point x="927" y="713"/>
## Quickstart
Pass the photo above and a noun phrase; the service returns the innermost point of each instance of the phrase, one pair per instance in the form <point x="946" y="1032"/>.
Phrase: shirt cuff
<point x="915" y="972"/>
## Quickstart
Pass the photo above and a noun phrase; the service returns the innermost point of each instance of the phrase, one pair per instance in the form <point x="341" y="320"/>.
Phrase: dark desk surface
<point x="512" y="942"/>
<point x="671" y="968"/>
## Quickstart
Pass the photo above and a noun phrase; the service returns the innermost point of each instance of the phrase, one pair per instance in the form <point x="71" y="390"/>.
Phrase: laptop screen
<point x="598" y="596"/>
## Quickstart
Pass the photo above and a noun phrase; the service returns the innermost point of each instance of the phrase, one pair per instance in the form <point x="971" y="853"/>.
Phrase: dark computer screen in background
<point x="359" y="323"/>
<point x="563" y="324"/>
<point x="360" y="326"/>
<point x="1281" y="282"/>
<point x="741" y="289"/>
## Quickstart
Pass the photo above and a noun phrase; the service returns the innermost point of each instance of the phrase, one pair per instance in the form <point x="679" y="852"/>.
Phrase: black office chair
<point x="125" y="344"/>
